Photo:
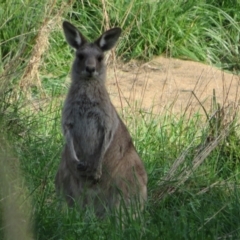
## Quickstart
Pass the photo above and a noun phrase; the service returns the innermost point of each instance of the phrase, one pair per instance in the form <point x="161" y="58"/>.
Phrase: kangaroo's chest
<point x="85" y="115"/>
<point x="84" y="108"/>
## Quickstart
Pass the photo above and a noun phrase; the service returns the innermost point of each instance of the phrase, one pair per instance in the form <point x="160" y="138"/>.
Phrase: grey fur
<point x="99" y="162"/>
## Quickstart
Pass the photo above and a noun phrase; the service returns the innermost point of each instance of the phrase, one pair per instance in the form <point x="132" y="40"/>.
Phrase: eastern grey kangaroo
<point x="99" y="165"/>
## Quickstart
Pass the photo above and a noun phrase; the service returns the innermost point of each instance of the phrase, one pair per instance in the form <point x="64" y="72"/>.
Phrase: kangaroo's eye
<point x="80" y="56"/>
<point x="100" y="58"/>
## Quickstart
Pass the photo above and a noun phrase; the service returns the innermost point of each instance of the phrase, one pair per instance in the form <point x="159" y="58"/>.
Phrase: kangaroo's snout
<point x="90" y="65"/>
<point x="90" y="69"/>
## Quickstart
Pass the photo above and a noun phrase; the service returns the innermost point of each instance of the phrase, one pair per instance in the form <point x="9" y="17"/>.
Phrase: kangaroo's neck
<point x="93" y="89"/>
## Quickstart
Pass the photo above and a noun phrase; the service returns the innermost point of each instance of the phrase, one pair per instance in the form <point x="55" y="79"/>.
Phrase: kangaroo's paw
<point x="81" y="166"/>
<point x="98" y="173"/>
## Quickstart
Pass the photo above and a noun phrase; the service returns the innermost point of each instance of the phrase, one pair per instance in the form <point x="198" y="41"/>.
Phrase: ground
<point x="177" y="85"/>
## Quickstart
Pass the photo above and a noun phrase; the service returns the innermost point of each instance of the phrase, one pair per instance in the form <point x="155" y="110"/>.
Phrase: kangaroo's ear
<point x="108" y="39"/>
<point x="74" y="38"/>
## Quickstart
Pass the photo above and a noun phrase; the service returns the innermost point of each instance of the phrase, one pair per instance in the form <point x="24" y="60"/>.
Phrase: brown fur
<point x="100" y="165"/>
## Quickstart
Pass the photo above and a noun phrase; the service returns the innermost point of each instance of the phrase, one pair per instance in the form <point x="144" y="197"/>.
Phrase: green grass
<point x="185" y="201"/>
<point x="205" y="206"/>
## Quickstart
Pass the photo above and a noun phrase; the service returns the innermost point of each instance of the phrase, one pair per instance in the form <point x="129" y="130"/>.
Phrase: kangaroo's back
<point x="99" y="162"/>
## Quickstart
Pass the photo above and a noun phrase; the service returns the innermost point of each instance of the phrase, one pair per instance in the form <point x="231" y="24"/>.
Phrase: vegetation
<point x="192" y="163"/>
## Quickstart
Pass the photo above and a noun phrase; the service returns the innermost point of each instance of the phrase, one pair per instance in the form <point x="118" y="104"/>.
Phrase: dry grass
<point x="52" y="18"/>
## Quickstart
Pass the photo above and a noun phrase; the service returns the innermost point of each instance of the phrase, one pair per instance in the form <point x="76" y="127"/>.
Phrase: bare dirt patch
<point x="177" y="85"/>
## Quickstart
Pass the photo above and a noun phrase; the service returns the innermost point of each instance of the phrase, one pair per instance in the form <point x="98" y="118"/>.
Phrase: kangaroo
<point x="99" y="165"/>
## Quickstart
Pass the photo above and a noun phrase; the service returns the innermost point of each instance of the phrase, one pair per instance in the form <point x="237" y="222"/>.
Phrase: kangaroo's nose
<point x="90" y="69"/>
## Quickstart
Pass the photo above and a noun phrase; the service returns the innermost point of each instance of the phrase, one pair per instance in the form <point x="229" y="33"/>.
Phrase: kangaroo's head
<point x="89" y="61"/>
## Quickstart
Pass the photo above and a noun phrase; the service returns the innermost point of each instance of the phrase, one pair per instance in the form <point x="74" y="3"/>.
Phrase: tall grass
<point x="193" y="165"/>
<point x="193" y="203"/>
<point x="188" y="29"/>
